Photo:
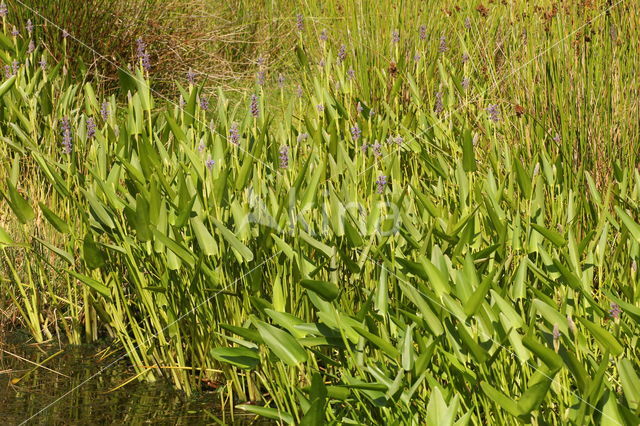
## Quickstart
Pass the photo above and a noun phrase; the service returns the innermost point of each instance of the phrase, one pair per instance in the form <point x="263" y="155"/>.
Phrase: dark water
<point x="33" y="399"/>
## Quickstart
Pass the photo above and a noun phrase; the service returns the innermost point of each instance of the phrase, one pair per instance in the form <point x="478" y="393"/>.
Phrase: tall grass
<point x="396" y="234"/>
<point x="219" y="43"/>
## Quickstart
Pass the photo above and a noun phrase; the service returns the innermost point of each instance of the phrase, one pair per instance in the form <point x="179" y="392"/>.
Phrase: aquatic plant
<point x="460" y="272"/>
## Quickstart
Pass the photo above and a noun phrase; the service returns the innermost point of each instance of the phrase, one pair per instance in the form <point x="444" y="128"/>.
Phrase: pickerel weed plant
<point x="476" y="267"/>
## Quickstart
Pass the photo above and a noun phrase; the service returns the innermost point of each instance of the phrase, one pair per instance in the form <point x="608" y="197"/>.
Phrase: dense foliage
<point x="426" y="223"/>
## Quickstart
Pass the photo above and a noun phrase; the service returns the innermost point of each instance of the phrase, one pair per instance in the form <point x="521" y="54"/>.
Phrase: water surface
<point x="33" y="398"/>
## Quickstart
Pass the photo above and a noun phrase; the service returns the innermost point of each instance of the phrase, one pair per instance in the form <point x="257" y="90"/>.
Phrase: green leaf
<point x="234" y="241"/>
<point x="606" y="339"/>
<point x="93" y="256"/>
<point x="143" y="222"/>
<point x="62" y="253"/>
<point x="127" y="81"/>
<point x="5" y="238"/>
<point x="270" y="413"/>
<point x="7" y="85"/>
<point x="315" y="414"/>
<point x="552" y="316"/>
<point x="408" y="351"/>
<point x="630" y="383"/>
<point x="468" y="157"/>
<point x="549" y="357"/>
<point x="287" y="321"/>
<point x="629" y="223"/>
<point x="205" y="240"/>
<point x="433" y="322"/>
<point x="98" y="208"/>
<point x="535" y="393"/>
<point x="523" y="178"/>
<point x="175" y="129"/>
<point x="190" y="108"/>
<point x="501" y="399"/>
<point x="20" y="206"/>
<point x="246" y="333"/>
<point x="555" y="237"/>
<point x="477" y="351"/>
<point x="180" y="250"/>
<point x="283" y="345"/>
<point x="326" y="290"/>
<point x="439" y="280"/>
<point x="384" y="345"/>
<point x="245" y="358"/>
<point x="478" y="296"/>
<point x="94" y="284"/>
<point x="438" y="412"/>
<point x="57" y="222"/>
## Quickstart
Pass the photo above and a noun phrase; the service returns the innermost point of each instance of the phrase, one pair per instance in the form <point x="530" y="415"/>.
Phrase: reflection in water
<point x="91" y="403"/>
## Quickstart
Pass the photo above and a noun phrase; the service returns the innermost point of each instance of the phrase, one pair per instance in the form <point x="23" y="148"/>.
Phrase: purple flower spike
<point x="210" y="163"/>
<point x="494" y="113"/>
<point x="143" y="55"/>
<point x="201" y="147"/>
<point x="66" y="136"/>
<point x="423" y="32"/>
<point x="104" y="110"/>
<point x="395" y="36"/>
<point x="32" y="47"/>
<point x="615" y="311"/>
<point x="43" y="63"/>
<point x="320" y="108"/>
<point x="467" y="23"/>
<point x="15" y="32"/>
<point x="377" y="149"/>
<point x="465" y="58"/>
<point x="299" y="92"/>
<point x="284" y="157"/>
<point x="3" y="10"/>
<point x="351" y="74"/>
<point x="255" y="108"/>
<point x="234" y="134"/>
<point x="204" y="103"/>
<point x="65" y="34"/>
<point x="300" y="22"/>
<point x="439" y="105"/>
<point x="29" y="26"/>
<point x="356" y="132"/>
<point x="281" y="80"/>
<point x="395" y="140"/>
<point x="260" y="78"/>
<point x="465" y="83"/>
<point x="443" y="44"/>
<point x="342" y="53"/>
<point x="191" y="76"/>
<point x="381" y="183"/>
<point x="359" y="107"/>
<point x="91" y="128"/>
<point x="302" y="137"/>
<point x="141" y="46"/>
<point x="323" y="35"/>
